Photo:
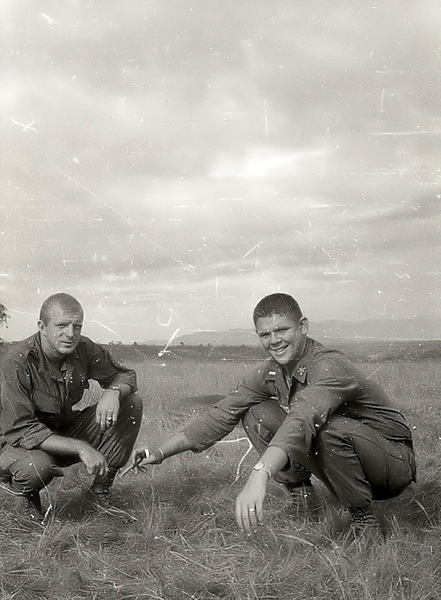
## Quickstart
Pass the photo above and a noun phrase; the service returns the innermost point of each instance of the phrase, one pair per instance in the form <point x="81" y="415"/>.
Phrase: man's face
<point x="61" y="334"/>
<point x="282" y="336"/>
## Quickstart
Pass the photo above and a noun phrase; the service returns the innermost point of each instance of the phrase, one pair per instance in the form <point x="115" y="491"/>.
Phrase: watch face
<point x="260" y="466"/>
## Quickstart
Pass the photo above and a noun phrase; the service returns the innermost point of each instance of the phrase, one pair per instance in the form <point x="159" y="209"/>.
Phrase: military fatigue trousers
<point x="355" y="462"/>
<point x="27" y="471"/>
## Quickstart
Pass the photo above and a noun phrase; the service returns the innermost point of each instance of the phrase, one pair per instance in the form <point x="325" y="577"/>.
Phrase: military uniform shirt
<point x="324" y="382"/>
<point x="36" y="398"/>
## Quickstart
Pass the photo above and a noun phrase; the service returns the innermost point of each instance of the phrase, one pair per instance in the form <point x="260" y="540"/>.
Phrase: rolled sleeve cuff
<point x="292" y="458"/>
<point x="195" y="435"/>
<point x="33" y="438"/>
<point x="128" y="378"/>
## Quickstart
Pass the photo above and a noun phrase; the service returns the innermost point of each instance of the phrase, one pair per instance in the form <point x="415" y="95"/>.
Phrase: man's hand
<point x="142" y="455"/>
<point x="59" y="445"/>
<point x="107" y="409"/>
<point x="93" y="460"/>
<point x="249" y="502"/>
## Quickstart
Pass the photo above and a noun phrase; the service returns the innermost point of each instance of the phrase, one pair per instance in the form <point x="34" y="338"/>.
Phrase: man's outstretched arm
<point x="175" y="445"/>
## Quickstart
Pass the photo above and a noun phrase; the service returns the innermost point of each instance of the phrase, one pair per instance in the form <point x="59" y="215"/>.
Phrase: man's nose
<point x="69" y="330"/>
<point x="275" y="337"/>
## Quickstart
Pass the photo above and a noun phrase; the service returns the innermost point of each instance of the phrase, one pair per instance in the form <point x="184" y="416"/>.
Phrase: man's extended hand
<point x="93" y="460"/>
<point x="249" y="502"/>
<point x="144" y="456"/>
<point x="107" y="409"/>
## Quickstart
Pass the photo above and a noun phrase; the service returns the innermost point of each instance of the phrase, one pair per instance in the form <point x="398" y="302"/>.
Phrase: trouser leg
<point x="358" y="464"/>
<point x="260" y="423"/>
<point x="115" y="443"/>
<point x="27" y="471"/>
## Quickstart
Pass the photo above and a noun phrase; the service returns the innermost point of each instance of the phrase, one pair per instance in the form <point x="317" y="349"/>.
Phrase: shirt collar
<point x="300" y="372"/>
<point x="44" y="364"/>
<point x="301" y="367"/>
<point x="34" y="347"/>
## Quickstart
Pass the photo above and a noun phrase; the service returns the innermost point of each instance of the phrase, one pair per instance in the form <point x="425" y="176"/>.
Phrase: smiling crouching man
<point x="42" y="378"/>
<point x="307" y="410"/>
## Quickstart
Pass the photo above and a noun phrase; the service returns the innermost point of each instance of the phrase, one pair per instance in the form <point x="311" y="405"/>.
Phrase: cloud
<point x="162" y="156"/>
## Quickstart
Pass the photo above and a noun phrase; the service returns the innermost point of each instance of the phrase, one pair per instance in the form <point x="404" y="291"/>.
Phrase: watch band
<point x="260" y="466"/>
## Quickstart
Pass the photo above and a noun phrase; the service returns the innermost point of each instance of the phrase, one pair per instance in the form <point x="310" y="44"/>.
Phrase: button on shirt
<point x="37" y="398"/>
<point x="323" y="383"/>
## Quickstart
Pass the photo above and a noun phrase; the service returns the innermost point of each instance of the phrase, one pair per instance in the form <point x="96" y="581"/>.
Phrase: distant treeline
<point x="136" y="352"/>
<point x="358" y="350"/>
<point x="361" y="350"/>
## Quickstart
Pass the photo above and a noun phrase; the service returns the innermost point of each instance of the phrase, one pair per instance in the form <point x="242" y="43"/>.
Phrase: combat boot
<point x="99" y="492"/>
<point x="305" y="501"/>
<point x="365" y="522"/>
<point x="30" y="507"/>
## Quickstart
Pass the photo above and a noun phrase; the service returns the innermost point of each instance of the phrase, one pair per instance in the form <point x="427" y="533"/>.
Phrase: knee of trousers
<point x="261" y="421"/>
<point x="131" y="408"/>
<point x="338" y="429"/>
<point x="33" y="472"/>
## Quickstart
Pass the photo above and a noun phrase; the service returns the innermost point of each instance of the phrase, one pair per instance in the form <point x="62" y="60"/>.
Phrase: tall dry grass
<point x="173" y="536"/>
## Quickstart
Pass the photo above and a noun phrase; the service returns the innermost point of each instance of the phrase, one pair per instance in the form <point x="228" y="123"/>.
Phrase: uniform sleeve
<point x="330" y="385"/>
<point x="19" y="425"/>
<point x="214" y="425"/>
<point x="102" y="367"/>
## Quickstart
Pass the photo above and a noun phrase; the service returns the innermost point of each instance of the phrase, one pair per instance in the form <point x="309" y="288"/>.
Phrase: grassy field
<point x="174" y="536"/>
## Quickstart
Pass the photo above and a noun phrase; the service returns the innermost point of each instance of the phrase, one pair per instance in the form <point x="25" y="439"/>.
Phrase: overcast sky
<point x="169" y="163"/>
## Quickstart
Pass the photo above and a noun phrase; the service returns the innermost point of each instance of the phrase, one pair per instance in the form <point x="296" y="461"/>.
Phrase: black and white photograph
<point x="220" y="300"/>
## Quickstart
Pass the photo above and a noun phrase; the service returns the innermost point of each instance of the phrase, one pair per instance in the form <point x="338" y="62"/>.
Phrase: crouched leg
<point x="359" y="464"/>
<point x="261" y="423"/>
<point x="115" y="443"/>
<point x="27" y="471"/>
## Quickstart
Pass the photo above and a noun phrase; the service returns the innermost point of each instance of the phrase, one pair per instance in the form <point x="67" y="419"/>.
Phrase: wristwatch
<point x="260" y="466"/>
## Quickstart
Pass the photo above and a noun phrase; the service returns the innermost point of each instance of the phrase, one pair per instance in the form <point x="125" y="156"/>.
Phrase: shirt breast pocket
<point x="45" y="402"/>
<point x="77" y="386"/>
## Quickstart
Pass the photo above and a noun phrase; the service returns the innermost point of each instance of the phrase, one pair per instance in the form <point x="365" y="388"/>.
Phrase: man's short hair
<point x="66" y="301"/>
<point x="277" y="304"/>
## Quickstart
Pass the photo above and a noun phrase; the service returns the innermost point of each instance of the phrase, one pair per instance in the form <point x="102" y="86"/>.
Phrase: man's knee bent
<point x="337" y="428"/>
<point x="33" y="471"/>
<point x="261" y="422"/>
<point x="131" y="407"/>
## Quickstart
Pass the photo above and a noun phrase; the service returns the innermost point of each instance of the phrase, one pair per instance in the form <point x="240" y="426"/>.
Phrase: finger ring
<point x="252" y="510"/>
<point x="109" y="419"/>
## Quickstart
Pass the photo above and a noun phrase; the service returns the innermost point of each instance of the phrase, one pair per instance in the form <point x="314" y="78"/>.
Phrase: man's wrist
<point x="261" y="467"/>
<point x="80" y="446"/>
<point x="116" y="388"/>
<point x="158" y="453"/>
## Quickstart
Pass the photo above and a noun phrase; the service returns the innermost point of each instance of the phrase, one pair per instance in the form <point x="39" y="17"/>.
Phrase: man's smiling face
<point x="283" y="337"/>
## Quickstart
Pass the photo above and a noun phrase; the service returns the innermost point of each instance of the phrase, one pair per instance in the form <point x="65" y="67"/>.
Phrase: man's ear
<point x="41" y="326"/>
<point x="304" y="325"/>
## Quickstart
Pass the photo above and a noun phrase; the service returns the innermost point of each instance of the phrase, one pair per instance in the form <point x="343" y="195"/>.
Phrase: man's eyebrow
<point x="68" y="322"/>
<point x="267" y="331"/>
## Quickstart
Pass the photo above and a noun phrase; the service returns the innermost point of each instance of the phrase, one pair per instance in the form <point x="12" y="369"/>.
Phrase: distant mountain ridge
<point x="400" y="329"/>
